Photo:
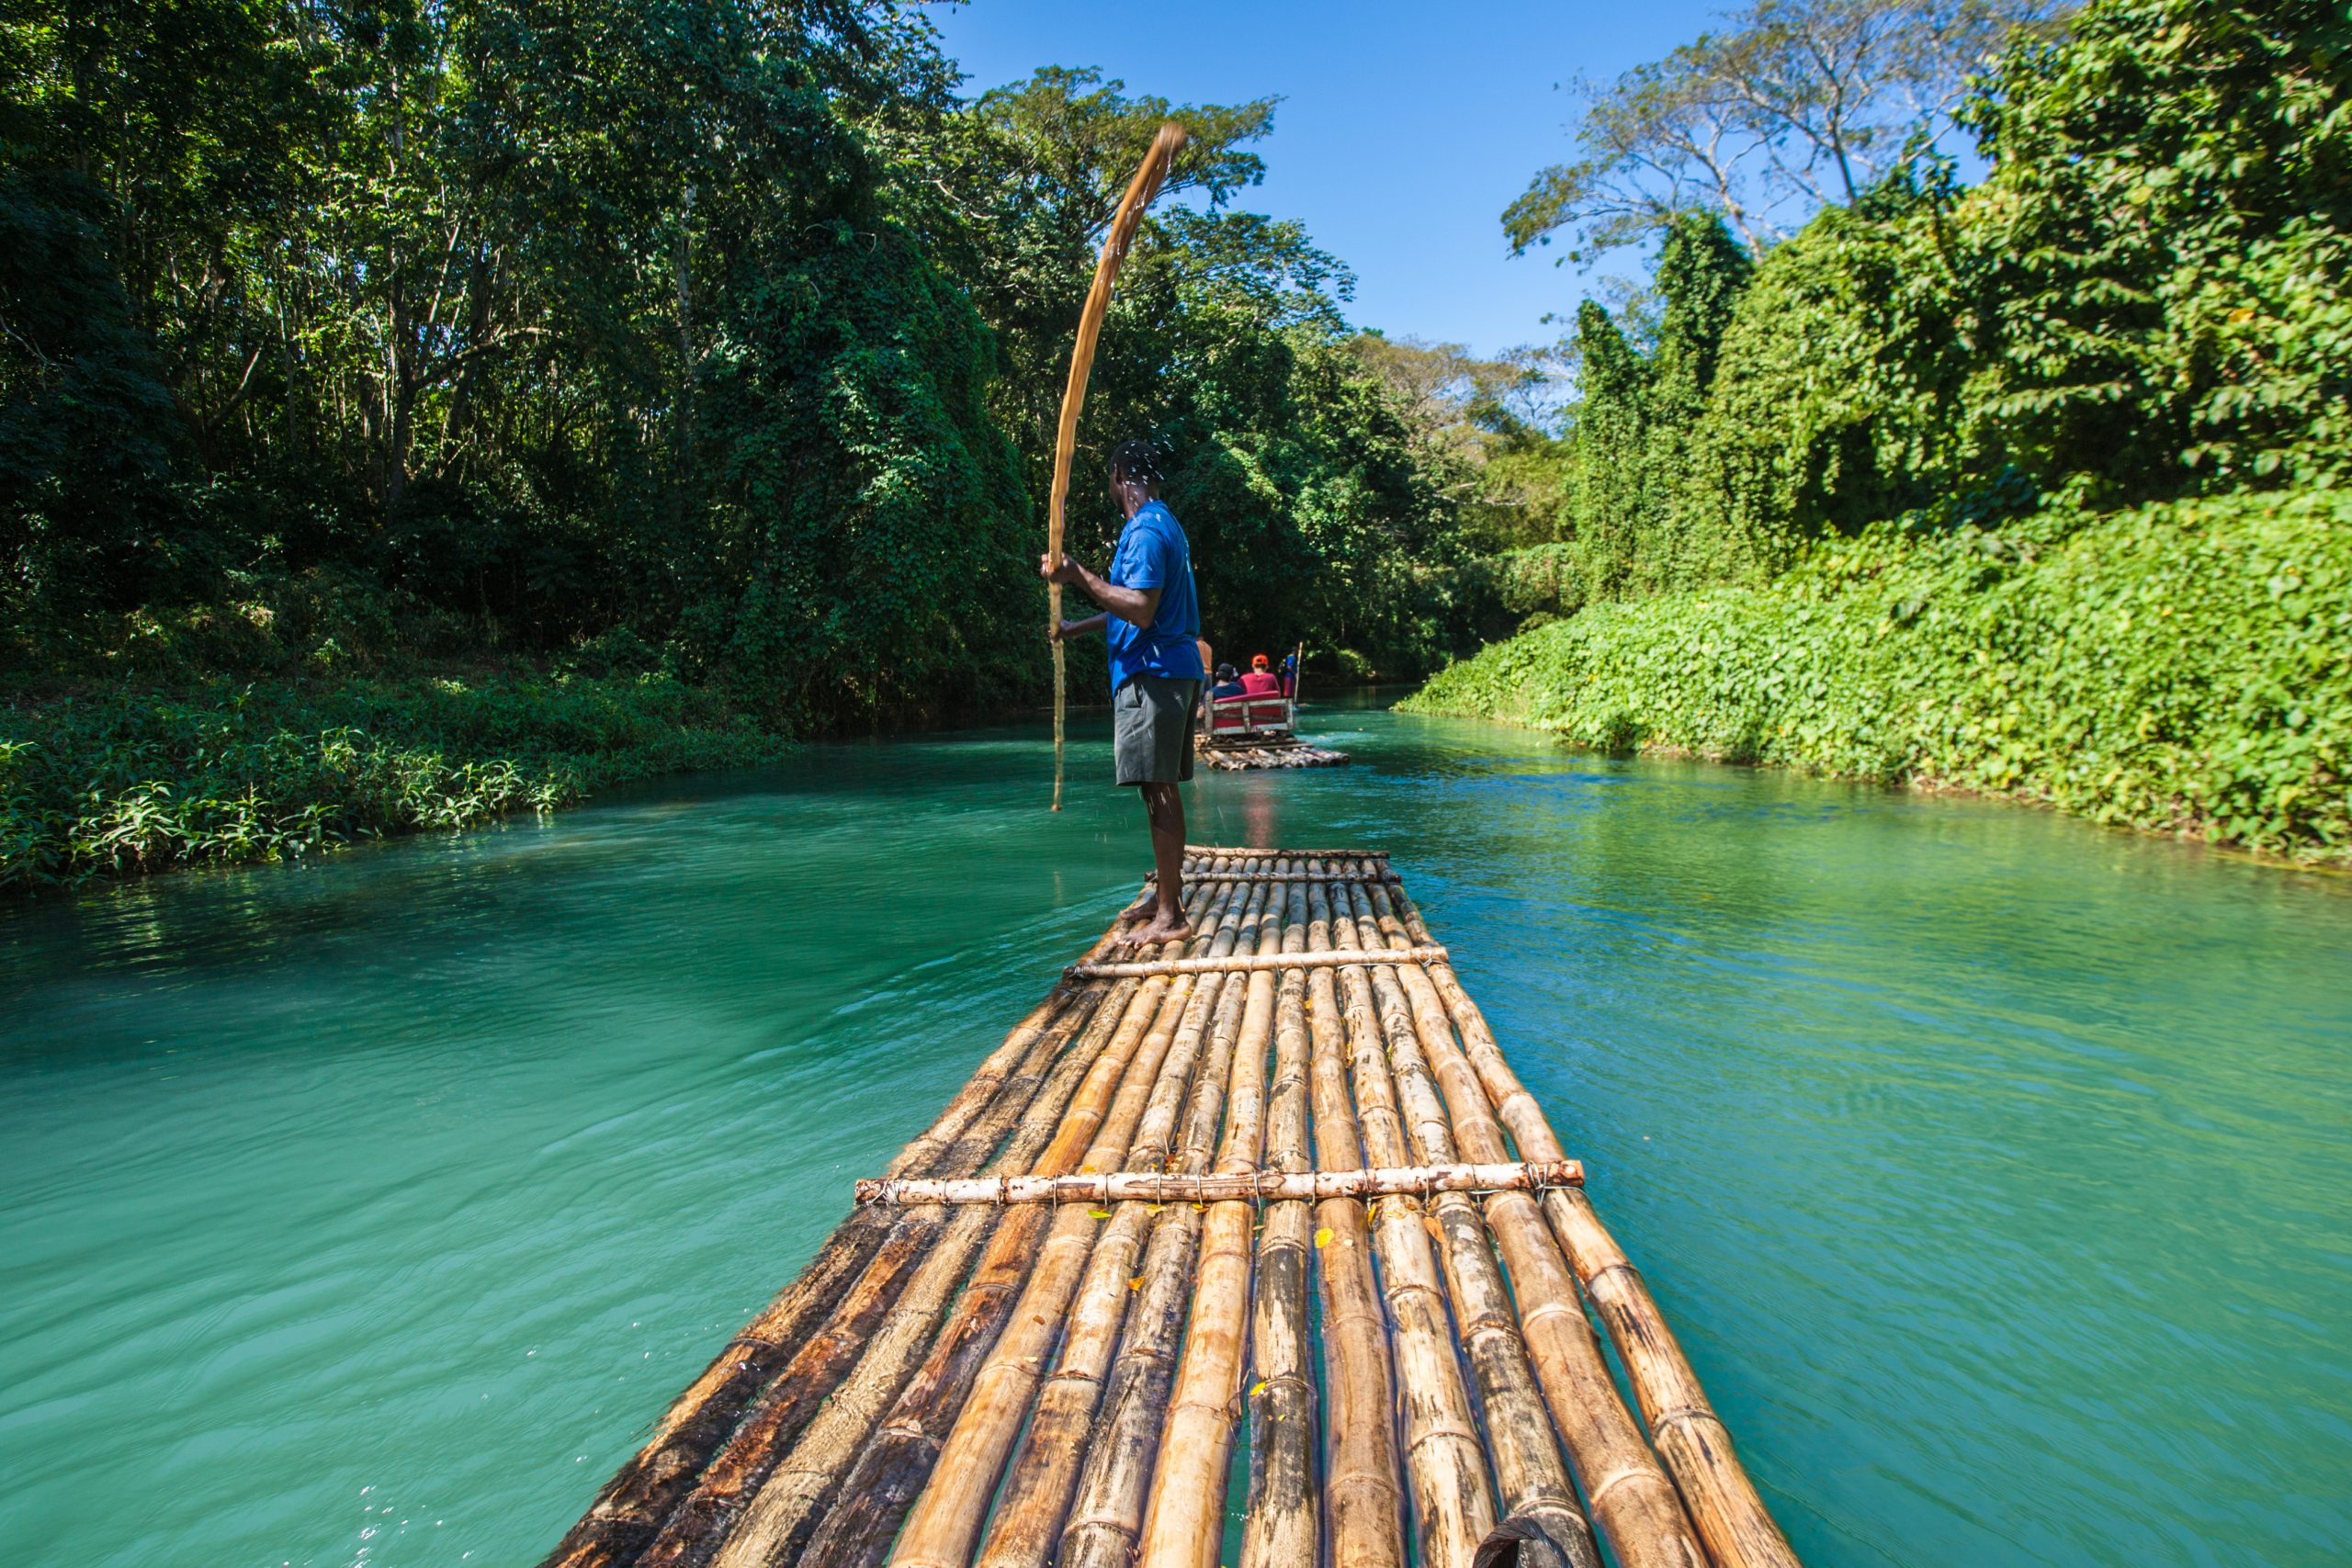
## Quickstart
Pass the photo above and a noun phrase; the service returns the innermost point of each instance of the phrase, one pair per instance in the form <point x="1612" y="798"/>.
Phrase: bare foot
<point x="1141" y="908"/>
<point x="1162" y="928"/>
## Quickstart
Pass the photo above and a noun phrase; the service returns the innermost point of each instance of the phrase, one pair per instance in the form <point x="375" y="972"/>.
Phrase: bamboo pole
<point x="1253" y="963"/>
<point x="1184" y="1522"/>
<point x="1124" y="223"/>
<point x="1630" y="1496"/>
<point x="1731" y="1520"/>
<point x="1267" y="1186"/>
<point x="630" y="1508"/>
<point x="946" y="1517"/>
<point x="1445" y="1461"/>
<point x="1206" y="853"/>
<point x="1364" y="1495"/>
<point x="743" y="1468"/>
<point x="1302" y="876"/>
<point x="1112" y="1292"/>
<point x="1529" y="1476"/>
<point x="789" y="1506"/>
<point x="1106" y="1510"/>
<point x="1283" y="1513"/>
<point x="899" y="1458"/>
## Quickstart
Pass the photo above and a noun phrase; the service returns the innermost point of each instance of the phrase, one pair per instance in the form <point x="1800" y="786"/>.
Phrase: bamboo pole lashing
<point x="1738" y="1531"/>
<point x="1445" y="1459"/>
<point x="1630" y="1498"/>
<point x="1106" y="1511"/>
<point x="1141" y="189"/>
<point x="1363" y="1492"/>
<point x="941" y="1526"/>
<point x="1242" y="964"/>
<point x="897" y="1460"/>
<point x="698" y="1527"/>
<point x="1530" y="1477"/>
<point x="1261" y="1186"/>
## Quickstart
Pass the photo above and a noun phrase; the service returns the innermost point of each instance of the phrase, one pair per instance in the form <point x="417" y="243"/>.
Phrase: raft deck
<point x="1266" y="752"/>
<point x="1370" y="1276"/>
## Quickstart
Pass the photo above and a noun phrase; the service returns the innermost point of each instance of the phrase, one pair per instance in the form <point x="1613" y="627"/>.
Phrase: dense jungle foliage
<point x="715" y="343"/>
<point x="1892" y="498"/>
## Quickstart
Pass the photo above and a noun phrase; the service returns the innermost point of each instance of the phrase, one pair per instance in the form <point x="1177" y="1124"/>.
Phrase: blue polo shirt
<point x="1153" y="553"/>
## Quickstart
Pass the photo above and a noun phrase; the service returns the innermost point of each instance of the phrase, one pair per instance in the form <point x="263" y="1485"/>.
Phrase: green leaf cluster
<point x="2183" y="666"/>
<point x="137" y="780"/>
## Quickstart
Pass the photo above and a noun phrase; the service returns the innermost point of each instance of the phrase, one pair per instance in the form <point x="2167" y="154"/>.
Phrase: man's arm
<point x="1081" y="629"/>
<point x="1136" y="606"/>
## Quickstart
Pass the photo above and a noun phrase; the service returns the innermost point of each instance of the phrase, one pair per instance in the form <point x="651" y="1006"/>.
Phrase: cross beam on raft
<point x="1162" y="1187"/>
<point x="1384" y="876"/>
<point x="1254" y="964"/>
<point x="1067" y="1384"/>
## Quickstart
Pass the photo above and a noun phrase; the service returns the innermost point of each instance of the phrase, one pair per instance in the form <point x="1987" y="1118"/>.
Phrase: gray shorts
<point x="1152" y="729"/>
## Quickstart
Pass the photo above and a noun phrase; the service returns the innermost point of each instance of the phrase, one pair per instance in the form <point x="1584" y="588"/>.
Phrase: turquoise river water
<point x="1995" y="1169"/>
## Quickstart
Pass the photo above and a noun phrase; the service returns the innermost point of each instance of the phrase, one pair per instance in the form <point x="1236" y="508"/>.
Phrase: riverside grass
<point x="2182" y="667"/>
<point x="135" y="779"/>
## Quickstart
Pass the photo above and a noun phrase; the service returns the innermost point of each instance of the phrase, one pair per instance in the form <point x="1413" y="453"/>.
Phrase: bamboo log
<point x="1731" y="1519"/>
<point x="900" y="1459"/>
<point x="1113" y="1297"/>
<point x="1162" y="1187"/>
<point x="744" y="1466"/>
<point x="1107" y="1507"/>
<point x="1446" y="1462"/>
<point x="1251" y="964"/>
<point x="1630" y="1498"/>
<point x="1529" y="1476"/>
<point x="630" y="1507"/>
<point x="1284" y="1508"/>
<point x="1124" y="223"/>
<point x="1363" y="1492"/>
<point x="946" y="1517"/>
<point x="1184" y="1522"/>
<point x="782" y="1517"/>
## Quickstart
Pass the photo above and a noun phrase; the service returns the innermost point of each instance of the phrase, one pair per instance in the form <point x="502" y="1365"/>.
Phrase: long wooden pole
<point x="1731" y="1519"/>
<point x="1140" y="190"/>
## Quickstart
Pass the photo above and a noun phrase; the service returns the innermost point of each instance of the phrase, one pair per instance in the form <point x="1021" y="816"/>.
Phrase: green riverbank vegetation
<point x="408" y="414"/>
<point x="2034" y="486"/>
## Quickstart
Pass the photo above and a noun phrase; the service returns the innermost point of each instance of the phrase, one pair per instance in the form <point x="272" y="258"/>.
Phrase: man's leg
<point x="1164" y="806"/>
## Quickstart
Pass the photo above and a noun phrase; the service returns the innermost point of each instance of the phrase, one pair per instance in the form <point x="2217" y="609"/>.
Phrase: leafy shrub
<point x="2184" y="665"/>
<point x="135" y="780"/>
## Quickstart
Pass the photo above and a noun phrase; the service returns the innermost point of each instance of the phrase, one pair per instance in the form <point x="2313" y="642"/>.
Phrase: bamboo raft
<point x="1275" y="1189"/>
<point x="1266" y="752"/>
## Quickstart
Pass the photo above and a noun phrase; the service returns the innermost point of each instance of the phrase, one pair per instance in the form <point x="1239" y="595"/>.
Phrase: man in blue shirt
<point x="1152" y="621"/>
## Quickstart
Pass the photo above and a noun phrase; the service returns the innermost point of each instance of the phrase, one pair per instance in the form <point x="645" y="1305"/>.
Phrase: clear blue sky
<point x="1404" y="130"/>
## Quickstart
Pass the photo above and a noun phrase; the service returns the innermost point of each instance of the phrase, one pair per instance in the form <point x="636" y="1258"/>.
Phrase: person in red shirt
<point x="1261" y="681"/>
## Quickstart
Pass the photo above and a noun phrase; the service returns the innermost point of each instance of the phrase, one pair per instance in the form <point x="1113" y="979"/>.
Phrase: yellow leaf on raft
<point x="1098" y="1213"/>
<point x="1323" y="1236"/>
<point x="1136" y="1283"/>
<point x="1257" y="1388"/>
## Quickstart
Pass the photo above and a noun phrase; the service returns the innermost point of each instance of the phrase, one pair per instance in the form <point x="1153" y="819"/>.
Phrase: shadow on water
<point x="1993" y="1167"/>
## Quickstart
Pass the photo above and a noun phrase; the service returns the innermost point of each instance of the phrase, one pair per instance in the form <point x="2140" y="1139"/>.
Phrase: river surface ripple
<point x="1993" y="1167"/>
